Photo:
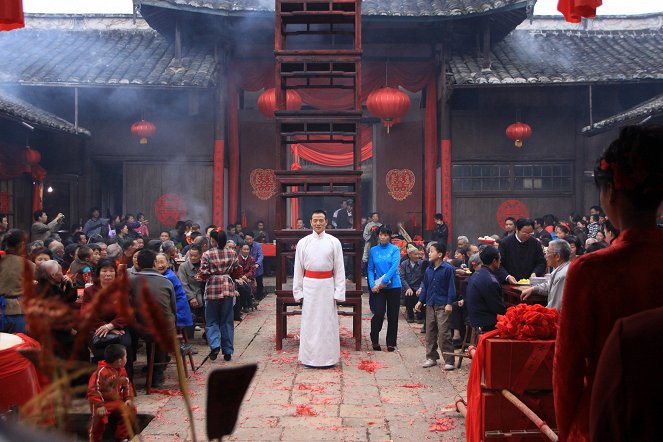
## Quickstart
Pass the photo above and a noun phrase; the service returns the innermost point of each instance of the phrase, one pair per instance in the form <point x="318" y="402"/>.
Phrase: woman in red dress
<point x="615" y="282"/>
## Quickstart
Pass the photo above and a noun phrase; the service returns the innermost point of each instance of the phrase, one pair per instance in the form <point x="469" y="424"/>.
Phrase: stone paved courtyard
<point x="399" y="400"/>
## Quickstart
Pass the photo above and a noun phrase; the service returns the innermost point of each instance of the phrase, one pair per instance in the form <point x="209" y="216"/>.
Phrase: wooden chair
<point x="151" y="347"/>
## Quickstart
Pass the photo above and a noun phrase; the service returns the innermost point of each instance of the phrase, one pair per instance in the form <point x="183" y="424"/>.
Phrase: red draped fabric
<point x="414" y="76"/>
<point x="575" y="10"/>
<point x="336" y="154"/>
<point x="11" y="15"/>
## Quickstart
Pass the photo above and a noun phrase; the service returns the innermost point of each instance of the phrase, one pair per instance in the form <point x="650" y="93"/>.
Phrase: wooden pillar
<point x="218" y="190"/>
<point x="445" y="139"/>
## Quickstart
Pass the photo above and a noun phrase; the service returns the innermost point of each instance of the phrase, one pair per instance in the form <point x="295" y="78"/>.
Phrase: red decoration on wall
<point x="143" y="129"/>
<point x="170" y="208"/>
<point x="267" y="102"/>
<point x="263" y="182"/>
<point x="400" y="183"/>
<point x="511" y="208"/>
<point x="389" y="104"/>
<point x="518" y="132"/>
<point x="5" y="203"/>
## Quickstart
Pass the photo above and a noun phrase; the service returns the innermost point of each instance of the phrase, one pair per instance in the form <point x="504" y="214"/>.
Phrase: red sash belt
<point x="318" y="275"/>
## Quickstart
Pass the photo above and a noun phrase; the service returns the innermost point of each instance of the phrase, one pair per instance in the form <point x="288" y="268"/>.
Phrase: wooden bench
<point x="283" y="301"/>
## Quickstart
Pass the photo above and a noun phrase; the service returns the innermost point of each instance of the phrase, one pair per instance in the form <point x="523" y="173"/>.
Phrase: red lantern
<point x="143" y="129"/>
<point x="388" y="104"/>
<point x="31" y="157"/>
<point x="518" y="132"/>
<point x="267" y="102"/>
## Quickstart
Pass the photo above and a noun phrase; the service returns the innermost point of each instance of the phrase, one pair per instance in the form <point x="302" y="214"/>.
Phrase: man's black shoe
<point x="158" y="381"/>
<point x="376" y="347"/>
<point x="227" y="357"/>
<point x="214" y="353"/>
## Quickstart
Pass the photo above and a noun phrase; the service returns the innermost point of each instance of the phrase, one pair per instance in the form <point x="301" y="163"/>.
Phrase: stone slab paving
<point x="400" y="400"/>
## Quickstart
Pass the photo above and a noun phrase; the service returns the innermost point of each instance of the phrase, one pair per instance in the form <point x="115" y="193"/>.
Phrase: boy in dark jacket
<point x="438" y="292"/>
<point x="110" y="395"/>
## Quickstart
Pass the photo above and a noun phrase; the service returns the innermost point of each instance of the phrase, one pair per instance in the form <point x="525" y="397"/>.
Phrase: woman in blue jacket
<point x="183" y="316"/>
<point x="385" y="286"/>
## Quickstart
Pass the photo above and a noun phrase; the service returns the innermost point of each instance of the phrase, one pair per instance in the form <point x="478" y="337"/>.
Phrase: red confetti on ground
<point x="166" y="392"/>
<point x="443" y="424"/>
<point x="195" y="408"/>
<point x="369" y="366"/>
<point x="412" y="386"/>
<point x="316" y="388"/>
<point x="305" y="410"/>
<point x="370" y="423"/>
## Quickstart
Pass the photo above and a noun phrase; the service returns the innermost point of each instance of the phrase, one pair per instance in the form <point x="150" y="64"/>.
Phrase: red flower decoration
<point x="603" y="165"/>
<point x="528" y="322"/>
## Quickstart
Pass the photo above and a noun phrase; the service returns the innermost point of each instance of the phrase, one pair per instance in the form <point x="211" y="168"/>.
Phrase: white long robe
<point x="319" y="341"/>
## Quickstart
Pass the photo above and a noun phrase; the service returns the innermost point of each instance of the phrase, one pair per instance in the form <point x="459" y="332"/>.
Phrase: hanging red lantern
<point x="143" y="129"/>
<point x="267" y="101"/>
<point x="518" y="132"/>
<point x="388" y="104"/>
<point x="29" y="158"/>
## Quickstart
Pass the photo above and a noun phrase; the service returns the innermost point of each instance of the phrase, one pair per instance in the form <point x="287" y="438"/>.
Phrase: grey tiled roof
<point x="636" y="114"/>
<point x="395" y="8"/>
<point x="16" y="109"/>
<point x="100" y="58"/>
<point x="545" y="57"/>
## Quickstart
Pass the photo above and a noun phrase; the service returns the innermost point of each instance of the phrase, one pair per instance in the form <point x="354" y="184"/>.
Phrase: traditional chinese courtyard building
<point x="197" y="72"/>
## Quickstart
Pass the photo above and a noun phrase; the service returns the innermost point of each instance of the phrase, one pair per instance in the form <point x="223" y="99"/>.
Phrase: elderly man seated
<point x="557" y="257"/>
<point x="483" y="296"/>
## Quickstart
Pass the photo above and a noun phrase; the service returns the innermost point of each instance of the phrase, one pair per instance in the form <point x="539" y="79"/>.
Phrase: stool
<point x="473" y="333"/>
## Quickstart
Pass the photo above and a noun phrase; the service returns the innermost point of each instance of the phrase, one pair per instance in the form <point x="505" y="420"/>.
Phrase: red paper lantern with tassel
<point x="267" y="102"/>
<point x="389" y="104"/>
<point x="518" y="132"/>
<point x="143" y="129"/>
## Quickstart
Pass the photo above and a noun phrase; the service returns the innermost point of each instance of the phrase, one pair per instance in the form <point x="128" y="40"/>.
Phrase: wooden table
<point x="511" y="295"/>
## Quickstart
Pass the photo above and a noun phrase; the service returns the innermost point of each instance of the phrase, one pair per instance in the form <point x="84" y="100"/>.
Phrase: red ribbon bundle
<point x="528" y="322"/>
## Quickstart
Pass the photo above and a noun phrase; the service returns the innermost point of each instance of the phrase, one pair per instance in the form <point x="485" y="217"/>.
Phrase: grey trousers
<point x="438" y="333"/>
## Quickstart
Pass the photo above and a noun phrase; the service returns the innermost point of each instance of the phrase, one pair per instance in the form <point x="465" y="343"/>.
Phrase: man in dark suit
<point x="522" y="255"/>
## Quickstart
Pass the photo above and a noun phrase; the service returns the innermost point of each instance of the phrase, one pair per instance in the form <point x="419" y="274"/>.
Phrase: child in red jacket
<point x="110" y="394"/>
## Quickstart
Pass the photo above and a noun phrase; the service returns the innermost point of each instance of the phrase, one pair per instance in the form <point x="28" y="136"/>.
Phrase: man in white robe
<point x="319" y="280"/>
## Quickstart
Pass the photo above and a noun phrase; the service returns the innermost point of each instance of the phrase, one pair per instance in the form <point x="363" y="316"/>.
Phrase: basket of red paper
<point x="518" y="357"/>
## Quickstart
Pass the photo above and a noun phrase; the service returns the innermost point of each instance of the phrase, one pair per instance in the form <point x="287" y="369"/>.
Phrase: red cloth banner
<point x="11" y="15"/>
<point x="217" y="193"/>
<point x="445" y="167"/>
<point x="575" y="10"/>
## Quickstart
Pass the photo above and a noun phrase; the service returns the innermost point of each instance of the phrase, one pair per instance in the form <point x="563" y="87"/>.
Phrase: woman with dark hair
<point x="610" y="232"/>
<point x="216" y="267"/>
<point x="40" y="254"/>
<point x="109" y="327"/>
<point x="385" y="285"/>
<point x="12" y="263"/>
<point x="576" y="246"/>
<point x="597" y="293"/>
